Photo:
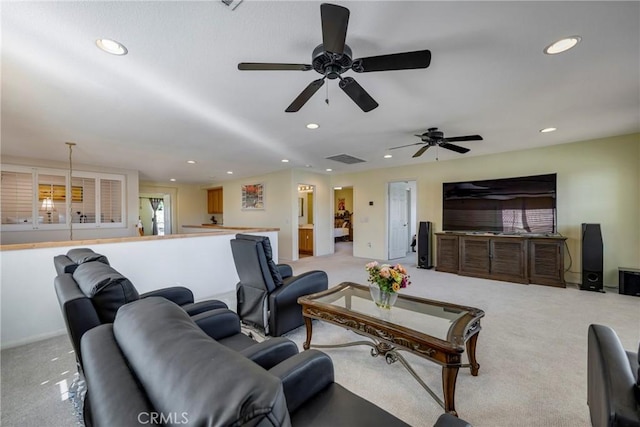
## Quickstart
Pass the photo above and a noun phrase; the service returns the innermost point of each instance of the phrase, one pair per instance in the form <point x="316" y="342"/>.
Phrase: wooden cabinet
<point x="305" y="241"/>
<point x="519" y="259"/>
<point x="474" y="256"/>
<point x="499" y="258"/>
<point x="447" y="253"/>
<point x="508" y="259"/>
<point x="546" y="262"/>
<point x="214" y="201"/>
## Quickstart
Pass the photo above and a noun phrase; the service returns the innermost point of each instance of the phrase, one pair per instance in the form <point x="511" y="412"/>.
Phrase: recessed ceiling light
<point x="388" y="156"/>
<point x="307" y="166"/>
<point x="328" y="169"/>
<point x="191" y="162"/>
<point x="111" y="46"/>
<point x="230" y="172"/>
<point x="545" y="130"/>
<point x="313" y="126"/>
<point x="562" y="45"/>
<point x="285" y="160"/>
<point x="172" y="180"/>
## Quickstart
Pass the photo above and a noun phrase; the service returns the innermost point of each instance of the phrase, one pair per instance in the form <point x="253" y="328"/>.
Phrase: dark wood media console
<point x="513" y="258"/>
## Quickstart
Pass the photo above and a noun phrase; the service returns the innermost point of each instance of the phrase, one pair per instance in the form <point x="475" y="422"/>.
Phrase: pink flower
<point x="385" y="273"/>
<point x="371" y="265"/>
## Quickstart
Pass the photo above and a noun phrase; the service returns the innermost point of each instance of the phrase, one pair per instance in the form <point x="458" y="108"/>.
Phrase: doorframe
<point x="296" y="254"/>
<point x="169" y="196"/>
<point x="411" y="213"/>
<point x="334" y="209"/>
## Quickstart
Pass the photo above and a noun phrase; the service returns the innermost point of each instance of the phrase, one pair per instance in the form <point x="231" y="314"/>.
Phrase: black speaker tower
<point x="425" y="249"/>
<point x="592" y="258"/>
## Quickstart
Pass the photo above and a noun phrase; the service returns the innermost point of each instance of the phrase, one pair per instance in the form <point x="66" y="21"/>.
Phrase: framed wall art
<point x="253" y="197"/>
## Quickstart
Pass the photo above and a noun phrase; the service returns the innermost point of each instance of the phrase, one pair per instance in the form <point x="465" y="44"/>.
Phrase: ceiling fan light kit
<point x="333" y="57"/>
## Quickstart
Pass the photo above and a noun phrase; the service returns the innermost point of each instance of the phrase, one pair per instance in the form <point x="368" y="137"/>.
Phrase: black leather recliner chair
<point x="90" y="292"/>
<point x="613" y="380"/>
<point x="268" y="293"/>
<point x="154" y="360"/>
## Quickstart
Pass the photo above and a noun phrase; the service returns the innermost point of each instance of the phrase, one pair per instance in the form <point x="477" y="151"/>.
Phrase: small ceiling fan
<point x="434" y="137"/>
<point x="333" y="57"/>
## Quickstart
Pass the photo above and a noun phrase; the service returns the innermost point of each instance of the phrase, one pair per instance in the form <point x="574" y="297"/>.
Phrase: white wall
<point x="281" y="208"/>
<point x="598" y="182"/>
<point x="30" y="310"/>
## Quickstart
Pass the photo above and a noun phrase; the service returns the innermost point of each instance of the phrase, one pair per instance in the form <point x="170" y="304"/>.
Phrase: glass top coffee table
<point x="435" y="330"/>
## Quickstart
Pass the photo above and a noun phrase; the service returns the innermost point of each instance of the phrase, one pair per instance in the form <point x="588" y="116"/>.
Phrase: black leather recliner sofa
<point x="90" y="292"/>
<point x="267" y="293"/>
<point x="153" y="362"/>
<point x="613" y="380"/>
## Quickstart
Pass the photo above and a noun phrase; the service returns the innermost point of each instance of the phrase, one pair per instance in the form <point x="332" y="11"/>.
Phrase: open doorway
<point x="306" y="229"/>
<point x="402" y="214"/>
<point x="343" y="220"/>
<point x="155" y="214"/>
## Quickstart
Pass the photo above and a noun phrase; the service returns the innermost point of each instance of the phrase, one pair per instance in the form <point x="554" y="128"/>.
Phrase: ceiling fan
<point x="434" y="137"/>
<point x="333" y="57"/>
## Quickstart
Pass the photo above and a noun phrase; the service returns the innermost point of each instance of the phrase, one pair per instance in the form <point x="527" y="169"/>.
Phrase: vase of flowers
<point x="386" y="281"/>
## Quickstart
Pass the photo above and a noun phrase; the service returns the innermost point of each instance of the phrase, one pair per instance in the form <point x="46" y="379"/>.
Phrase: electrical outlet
<point x="369" y="244"/>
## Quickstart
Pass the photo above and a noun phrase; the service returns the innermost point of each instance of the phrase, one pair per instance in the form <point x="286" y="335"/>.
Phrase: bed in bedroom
<point x="341" y="230"/>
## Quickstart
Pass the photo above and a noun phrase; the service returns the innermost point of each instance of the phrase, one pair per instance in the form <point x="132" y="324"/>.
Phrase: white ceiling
<point x="178" y="94"/>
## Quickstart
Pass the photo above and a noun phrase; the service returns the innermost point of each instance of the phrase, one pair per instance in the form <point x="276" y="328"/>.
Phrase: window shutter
<point x="83" y="197"/>
<point x="110" y="200"/>
<point x="17" y="198"/>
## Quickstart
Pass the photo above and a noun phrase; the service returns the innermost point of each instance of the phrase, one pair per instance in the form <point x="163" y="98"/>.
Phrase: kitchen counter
<point x="221" y="229"/>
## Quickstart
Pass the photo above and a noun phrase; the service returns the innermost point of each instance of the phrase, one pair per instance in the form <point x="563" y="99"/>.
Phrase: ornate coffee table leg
<point x="449" y="376"/>
<point x="471" y="353"/>
<point x="307" y="323"/>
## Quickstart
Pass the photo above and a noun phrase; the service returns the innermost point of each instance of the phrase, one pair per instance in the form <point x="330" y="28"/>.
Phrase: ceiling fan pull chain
<point x="326" y="99"/>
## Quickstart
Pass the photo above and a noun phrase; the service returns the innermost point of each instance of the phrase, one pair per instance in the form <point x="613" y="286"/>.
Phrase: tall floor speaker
<point x="425" y="249"/>
<point x="592" y="258"/>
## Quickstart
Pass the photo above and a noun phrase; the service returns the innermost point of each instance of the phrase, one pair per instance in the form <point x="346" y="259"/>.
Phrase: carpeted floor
<point x="531" y="350"/>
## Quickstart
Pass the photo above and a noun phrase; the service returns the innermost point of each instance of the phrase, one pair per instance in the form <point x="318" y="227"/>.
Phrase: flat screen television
<point x="507" y="205"/>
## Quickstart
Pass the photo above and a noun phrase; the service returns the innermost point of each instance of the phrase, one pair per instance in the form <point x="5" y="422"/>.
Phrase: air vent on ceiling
<point x="345" y="158"/>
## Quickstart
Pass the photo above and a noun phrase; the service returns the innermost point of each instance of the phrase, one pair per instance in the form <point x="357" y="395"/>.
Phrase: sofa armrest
<point x="270" y="352"/>
<point x="219" y="323"/>
<point x="203" y="306"/>
<point x="297" y="286"/>
<point x="177" y="294"/>
<point x="610" y="380"/>
<point x="114" y="395"/>
<point x="77" y="310"/>
<point x="303" y="376"/>
<point x="63" y="264"/>
<point x="285" y="270"/>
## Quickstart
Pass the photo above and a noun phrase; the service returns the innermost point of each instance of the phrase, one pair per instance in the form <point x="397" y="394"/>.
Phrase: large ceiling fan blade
<point x="266" y="66"/>
<point x="464" y="138"/>
<point x="357" y="94"/>
<point x="408" y="145"/>
<point x="305" y="95"/>
<point x="455" y="148"/>
<point x="421" y="151"/>
<point x="395" y="61"/>
<point x="335" y="20"/>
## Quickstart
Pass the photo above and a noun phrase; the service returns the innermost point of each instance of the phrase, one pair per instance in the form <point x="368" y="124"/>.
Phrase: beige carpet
<point x="531" y="350"/>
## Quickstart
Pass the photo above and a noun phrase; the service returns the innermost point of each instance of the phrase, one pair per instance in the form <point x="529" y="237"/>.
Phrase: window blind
<point x="16" y="201"/>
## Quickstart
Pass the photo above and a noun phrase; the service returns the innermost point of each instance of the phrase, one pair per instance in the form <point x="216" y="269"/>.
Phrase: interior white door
<point x="398" y="220"/>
